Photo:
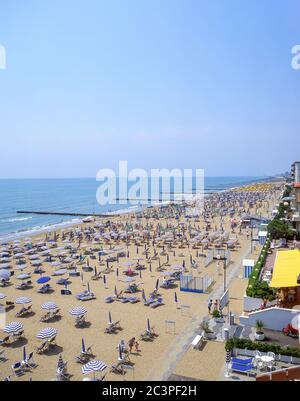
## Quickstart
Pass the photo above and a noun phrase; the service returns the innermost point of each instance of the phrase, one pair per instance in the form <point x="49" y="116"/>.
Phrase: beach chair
<point x="24" y="311"/>
<point x="112" y="327"/>
<point x="235" y="367"/>
<point x="117" y="368"/>
<point x="80" y="321"/>
<point x="18" y="336"/>
<point x="52" y="341"/>
<point x="29" y="363"/>
<point x="149" y="301"/>
<point x="65" y="292"/>
<point x="2" y="356"/>
<point x="17" y="369"/>
<point x="157" y="303"/>
<point x="43" y="347"/>
<point x="134" y="300"/>
<point x="5" y="341"/>
<point x="62" y="375"/>
<point x="9" y="305"/>
<point x="110" y="299"/>
<point x="45" y="289"/>
<point x="46" y="317"/>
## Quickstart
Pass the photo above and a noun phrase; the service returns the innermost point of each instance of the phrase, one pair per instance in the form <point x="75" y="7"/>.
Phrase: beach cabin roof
<point x="286" y="269"/>
<point x="248" y="262"/>
<point x="262" y="233"/>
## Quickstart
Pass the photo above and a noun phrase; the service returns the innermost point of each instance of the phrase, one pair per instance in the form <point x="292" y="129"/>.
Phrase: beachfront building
<point x="295" y="174"/>
<point x="286" y="277"/>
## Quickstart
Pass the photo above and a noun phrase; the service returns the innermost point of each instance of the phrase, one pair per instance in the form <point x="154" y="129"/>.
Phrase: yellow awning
<point x="286" y="269"/>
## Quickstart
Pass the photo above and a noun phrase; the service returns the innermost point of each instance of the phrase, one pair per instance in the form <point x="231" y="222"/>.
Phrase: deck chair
<point x="5" y="341"/>
<point x="18" y="336"/>
<point x="9" y="305"/>
<point x="111" y="328"/>
<point x="17" y="369"/>
<point x="2" y="356"/>
<point x="43" y="347"/>
<point x="157" y="303"/>
<point x="46" y="317"/>
<point x="80" y="321"/>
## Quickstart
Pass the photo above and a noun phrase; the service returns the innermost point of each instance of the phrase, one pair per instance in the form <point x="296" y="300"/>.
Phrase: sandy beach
<point x="160" y="239"/>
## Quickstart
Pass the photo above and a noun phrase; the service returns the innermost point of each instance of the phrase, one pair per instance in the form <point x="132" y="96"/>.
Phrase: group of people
<point x="213" y="305"/>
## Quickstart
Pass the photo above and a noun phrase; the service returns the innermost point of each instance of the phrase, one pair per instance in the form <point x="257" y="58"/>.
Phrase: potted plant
<point x="208" y="333"/>
<point x="217" y="316"/>
<point x="259" y="333"/>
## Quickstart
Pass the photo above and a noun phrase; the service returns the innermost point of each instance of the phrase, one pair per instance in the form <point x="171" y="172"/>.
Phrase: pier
<point x="66" y="214"/>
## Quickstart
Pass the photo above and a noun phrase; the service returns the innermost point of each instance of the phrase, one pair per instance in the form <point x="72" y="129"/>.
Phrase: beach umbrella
<point x="150" y="268"/>
<point x="117" y="272"/>
<point x="140" y="274"/>
<point x="55" y="264"/>
<point x="227" y="362"/>
<point x="60" y="363"/>
<point x="143" y="295"/>
<point x="2" y="296"/>
<point x="49" y="306"/>
<point x="93" y="366"/>
<point x="36" y="263"/>
<point x="48" y="332"/>
<point x="5" y="266"/>
<point x="175" y="298"/>
<point x="13" y="327"/>
<point x="60" y="272"/>
<point x="148" y="326"/>
<point x="23" y="300"/>
<point x="116" y="291"/>
<point x="82" y="346"/>
<point x="24" y="353"/>
<point x="157" y="284"/>
<point x="23" y="276"/>
<point x="43" y="280"/>
<point x="78" y="311"/>
<point x="127" y="264"/>
<point x="104" y="279"/>
<point x="120" y="349"/>
<point x="109" y="318"/>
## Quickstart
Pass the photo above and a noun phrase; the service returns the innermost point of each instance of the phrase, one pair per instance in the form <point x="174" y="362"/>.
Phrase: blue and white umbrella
<point x="23" y="300"/>
<point x="60" y="272"/>
<point x="43" y="280"/>
<point x="13" y="327"/>
<point x="48" y="332"/>
<point x="60" y="363"/>
<point x="4" y="275"/>
<point x="78" y="311"/>
<point x="93" y="366"/>
<point x="2" y="296"/>
<point x="23" y="276"/>
<point x="49" y="306"/>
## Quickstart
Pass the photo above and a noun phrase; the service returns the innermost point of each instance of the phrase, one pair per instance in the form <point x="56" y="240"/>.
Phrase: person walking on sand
<point x="131" y="343"/>
<point x="209" y="305"/>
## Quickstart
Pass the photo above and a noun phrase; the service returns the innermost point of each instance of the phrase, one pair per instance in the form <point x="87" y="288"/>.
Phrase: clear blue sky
<point x="160" y="83"/>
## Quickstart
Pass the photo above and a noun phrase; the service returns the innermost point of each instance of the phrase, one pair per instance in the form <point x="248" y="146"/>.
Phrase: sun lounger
<point x="28" y="363"/>
<point x="45" y="289"/>
<point x="235" y="367"/>
<point x="18" y="336"/>
<point x="110" y="299"/>
<point x="9" y="305"/>
<point x="85" y="296"/>
<point x="149" y="301"/>
<point x="18" y="369"/>
<point x="113" y="327"/>
<point x="46" y="317"/>
<point x="24" y="311"/>
<point x="2" y="356"/>
<point x="5" y="341"/>
<point x="242" y="361"/>
<point x="134" y="300"/>
<point x="80" y="321"/>
<point x="159" y="302"/>
<point x="43" y="347"/>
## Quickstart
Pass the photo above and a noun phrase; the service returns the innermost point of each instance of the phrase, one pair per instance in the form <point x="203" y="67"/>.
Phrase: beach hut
<point x="262" y="237"/>
<point x="248" y="266"/>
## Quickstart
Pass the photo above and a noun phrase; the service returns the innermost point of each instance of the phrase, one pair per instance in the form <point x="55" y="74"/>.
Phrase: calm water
<point x="65" y="195"/>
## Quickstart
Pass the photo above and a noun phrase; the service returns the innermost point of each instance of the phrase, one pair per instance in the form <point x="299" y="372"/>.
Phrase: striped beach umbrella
<point x="23" y="276"/>
<point x="93" y="366"/>
<point x="60" y="363"/>
<point x="13" y="327"/>
<point x="23" y="300"/>
<point x="48" y="332"/>
<point x="78" y="311"/>
<point x="2" y="296"/>
<point x="49" y="306"/>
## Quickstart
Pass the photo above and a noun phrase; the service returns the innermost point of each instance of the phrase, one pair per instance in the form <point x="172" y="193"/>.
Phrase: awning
<point x="286" y="269"/>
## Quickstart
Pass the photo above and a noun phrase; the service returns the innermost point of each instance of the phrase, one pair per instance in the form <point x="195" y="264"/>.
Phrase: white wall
<point x="252" y="304"/>
<point x="273" y="318"/>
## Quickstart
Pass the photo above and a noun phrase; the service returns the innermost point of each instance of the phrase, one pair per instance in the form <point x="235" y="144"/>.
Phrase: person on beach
<point x="131" y="343"/>
<point x="209" y="305"/>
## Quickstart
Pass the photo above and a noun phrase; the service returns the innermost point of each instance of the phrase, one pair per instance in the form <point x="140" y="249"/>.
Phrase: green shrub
<point x="261" y="346"/>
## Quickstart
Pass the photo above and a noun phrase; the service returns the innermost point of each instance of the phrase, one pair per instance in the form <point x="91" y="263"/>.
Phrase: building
<point x="295" y="173"/>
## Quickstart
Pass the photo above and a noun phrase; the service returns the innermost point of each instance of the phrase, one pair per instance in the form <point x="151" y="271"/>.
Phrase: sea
<point x="69" y="196"/>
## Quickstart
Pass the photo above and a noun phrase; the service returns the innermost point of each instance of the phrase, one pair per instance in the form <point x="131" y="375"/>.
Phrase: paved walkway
<point x="182" y="342"/>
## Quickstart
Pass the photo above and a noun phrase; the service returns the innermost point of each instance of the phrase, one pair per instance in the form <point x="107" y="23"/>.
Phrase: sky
<point x="159" y="83"/>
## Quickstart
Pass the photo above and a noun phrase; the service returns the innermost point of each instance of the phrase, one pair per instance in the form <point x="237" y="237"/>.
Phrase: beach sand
<point x="156" y="359"/>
